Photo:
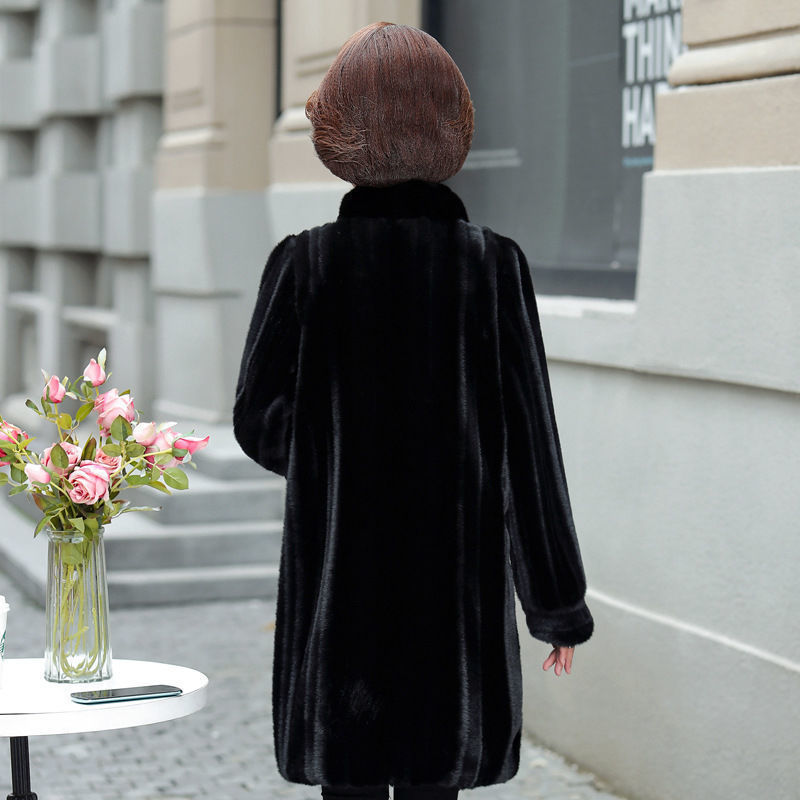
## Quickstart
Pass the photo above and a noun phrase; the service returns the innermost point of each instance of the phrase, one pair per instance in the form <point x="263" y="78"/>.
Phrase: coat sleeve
<point x="264" y="404"/>
<point x="545" y="556"/>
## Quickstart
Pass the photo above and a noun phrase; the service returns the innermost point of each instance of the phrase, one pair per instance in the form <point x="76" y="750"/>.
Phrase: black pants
<point x="382" y="792"/>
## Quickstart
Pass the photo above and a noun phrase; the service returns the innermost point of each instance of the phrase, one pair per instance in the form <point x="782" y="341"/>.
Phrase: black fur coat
<point x="394" y="372"/>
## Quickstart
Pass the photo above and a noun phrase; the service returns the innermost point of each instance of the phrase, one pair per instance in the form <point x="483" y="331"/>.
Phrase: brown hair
<point x="392" y="107"/>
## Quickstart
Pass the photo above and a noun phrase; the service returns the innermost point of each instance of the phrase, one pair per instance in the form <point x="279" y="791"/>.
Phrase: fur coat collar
<point x="414" y="198"/>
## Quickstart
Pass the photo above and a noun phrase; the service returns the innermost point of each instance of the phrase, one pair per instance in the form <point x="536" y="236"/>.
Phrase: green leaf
<point x="17" y="490"/>
<point x="160" y="486"/>
<point x="84" y="411"/>
<point x="120" y="429"/>
<point x="33" y="406"/>
<point x="117" y="429"/>
<point x="134" y="449"/>
<point x="7" y="448"/>
<point x="18" y="474"/>
<point x="3" y="479"/>
<point x="179" y="452"/>
<point x="59" y="457"/>
<point x="112" y="449"/>
<point x="137" y="480"/>
<point x="77" y="523"/>
<point x="71" y="554"/>
<point x="90" y="524"/>
<point x="176" y="478"/>
<point x="89" y="449"/>
<point x="101" y="359"/>
<point x="42" y="522"/>
<point x="45" y="500"/>
<point x="64" y="420"/>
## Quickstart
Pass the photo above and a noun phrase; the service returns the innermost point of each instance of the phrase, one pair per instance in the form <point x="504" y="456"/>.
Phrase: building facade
<point x="138" y="202"/>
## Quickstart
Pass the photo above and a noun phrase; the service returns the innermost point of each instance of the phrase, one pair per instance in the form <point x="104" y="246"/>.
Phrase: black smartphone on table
<point x="126" y="693"/>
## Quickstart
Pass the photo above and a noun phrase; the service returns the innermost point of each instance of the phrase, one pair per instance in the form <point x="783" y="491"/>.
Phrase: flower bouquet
<point x="77" y="488"/>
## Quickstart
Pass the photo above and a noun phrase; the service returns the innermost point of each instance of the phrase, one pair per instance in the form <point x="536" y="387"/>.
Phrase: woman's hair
<point x="392" y="107"/>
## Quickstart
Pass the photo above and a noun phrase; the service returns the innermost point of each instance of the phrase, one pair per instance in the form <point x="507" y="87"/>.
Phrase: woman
<point x="394" y="372"/>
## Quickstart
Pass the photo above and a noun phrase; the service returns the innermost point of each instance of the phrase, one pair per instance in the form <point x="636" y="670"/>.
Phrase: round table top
<point x="31" y="705"/>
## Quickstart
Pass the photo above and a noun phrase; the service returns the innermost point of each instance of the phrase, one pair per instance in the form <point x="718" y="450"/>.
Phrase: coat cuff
<point x="565" y="627"/>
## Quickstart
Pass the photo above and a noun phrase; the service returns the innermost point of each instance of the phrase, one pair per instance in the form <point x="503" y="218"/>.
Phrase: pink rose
<point x="10" y="433"/>
<point x="191" y="443"/>
<point x="111" y="463"/>
<point x="73" y="454"/>
<point x="163" y="440"/>
<point x="37" y="473"/>
<point x="94" y="373"/>
<point x="110" y="405"/>
<point x="145" y="433"/>
<point x="89" y="483"/>
<point x="57" y="390"/>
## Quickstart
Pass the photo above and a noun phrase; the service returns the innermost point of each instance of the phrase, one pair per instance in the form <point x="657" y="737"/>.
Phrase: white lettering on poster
<point x="651" y="35"/>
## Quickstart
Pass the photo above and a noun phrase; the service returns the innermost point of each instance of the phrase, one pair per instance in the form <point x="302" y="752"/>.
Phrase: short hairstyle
<point x="392" y="107"/>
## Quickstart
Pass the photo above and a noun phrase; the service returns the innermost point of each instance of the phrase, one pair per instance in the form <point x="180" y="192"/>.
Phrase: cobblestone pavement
<point x="225" y="750"/>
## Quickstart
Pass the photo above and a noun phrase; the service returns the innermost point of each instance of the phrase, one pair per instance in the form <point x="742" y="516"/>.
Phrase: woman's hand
<point x="561" y="657"/>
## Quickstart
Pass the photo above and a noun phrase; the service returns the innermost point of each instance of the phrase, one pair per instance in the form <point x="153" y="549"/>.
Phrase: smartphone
<point x="125" y="693"/>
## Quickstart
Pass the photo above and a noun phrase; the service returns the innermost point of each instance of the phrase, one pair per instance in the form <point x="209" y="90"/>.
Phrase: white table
<point x="31" y="706"/>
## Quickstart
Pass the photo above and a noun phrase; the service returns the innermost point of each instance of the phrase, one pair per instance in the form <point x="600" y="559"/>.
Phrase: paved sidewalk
<point x="225" y="750"/>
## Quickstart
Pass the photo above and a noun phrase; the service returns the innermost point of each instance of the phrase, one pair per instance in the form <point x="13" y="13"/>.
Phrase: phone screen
<point x="126" y="693"/>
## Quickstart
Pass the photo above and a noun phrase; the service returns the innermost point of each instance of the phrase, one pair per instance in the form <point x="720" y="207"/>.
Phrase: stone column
<point x="208" y="215"/>
<point x="720" y="206"/>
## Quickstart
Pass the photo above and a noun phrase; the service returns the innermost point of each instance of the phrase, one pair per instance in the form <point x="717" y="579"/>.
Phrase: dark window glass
<point x="549" y="165"/>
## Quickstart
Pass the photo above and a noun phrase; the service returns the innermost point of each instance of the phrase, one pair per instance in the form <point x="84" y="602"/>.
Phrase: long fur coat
<point x="394" y="372"/>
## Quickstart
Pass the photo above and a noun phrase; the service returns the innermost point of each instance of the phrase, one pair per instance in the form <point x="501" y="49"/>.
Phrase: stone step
<point x="223" y="458"/>
<point x="134" y="541"/>
<point x="212" y="500"/>
<point x="160" y="586"/>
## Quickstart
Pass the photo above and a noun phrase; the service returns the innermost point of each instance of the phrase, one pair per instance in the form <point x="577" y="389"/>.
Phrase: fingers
<point x="562" y="658"/>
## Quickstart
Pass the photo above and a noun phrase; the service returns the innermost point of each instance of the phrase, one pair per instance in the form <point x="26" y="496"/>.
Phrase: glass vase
<point x="77" y="648"/>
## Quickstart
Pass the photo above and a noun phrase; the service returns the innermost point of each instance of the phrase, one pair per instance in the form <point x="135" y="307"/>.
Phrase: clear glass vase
<point x="77" y="648"/>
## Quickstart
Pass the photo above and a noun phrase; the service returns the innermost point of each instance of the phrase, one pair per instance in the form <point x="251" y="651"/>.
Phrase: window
<point x="564" y="127"/>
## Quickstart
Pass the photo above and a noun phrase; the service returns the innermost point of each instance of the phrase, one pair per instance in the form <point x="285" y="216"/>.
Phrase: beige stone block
<point x="714" y="20"/>
<point x="752" y="58"/>
<point x="213" y="70"/>
<point x="210" y="167"/>
<point x="293" y="160"/>
<point x="747" y="123"/>
<point x="219" y="100"/>
<point x="185" y="13"/>
<point x="312" y="33"/>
